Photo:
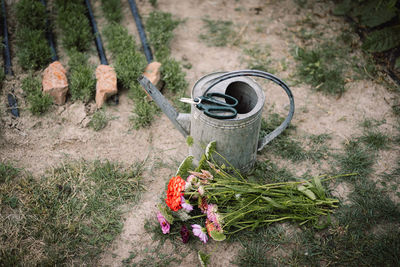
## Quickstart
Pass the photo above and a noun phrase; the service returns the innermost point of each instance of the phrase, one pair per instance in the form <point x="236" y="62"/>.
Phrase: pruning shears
<point x="213" y="107"/>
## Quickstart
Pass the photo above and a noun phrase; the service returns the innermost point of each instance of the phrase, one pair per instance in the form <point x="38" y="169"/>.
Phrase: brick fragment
<point x="55" y="82"/>
<point x="153" y="73"/>
<point x="106" y="84"/>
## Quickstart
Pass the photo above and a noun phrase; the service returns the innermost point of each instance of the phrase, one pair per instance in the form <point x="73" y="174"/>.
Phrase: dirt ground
<point x="40" y="143"/>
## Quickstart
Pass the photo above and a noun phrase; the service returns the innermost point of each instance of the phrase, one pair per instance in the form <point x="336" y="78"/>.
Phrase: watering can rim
<point x="207" y="79"/>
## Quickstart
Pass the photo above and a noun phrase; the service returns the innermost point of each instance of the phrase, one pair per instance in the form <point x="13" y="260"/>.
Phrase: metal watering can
<point x="237" y="139"/>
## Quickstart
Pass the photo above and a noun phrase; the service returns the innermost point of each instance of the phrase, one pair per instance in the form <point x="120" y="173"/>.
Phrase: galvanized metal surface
<point x="237" y="138"/>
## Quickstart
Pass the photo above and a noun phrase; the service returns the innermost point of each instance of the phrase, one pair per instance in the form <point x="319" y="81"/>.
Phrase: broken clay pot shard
<point x="55" y="82"/>
<point x="106" y="84"/>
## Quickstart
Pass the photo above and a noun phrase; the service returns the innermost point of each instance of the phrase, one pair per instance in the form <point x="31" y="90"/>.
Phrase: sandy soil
<point x="38" y="143"/>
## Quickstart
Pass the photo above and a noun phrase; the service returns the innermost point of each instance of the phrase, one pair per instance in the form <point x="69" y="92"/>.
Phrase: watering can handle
<point x="257" y="73"/>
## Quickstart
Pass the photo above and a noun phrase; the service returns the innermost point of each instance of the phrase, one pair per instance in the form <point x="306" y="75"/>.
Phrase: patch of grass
<point x="268" y="172"/>
<point x="218" y="32"/>
<point x="355" y="239"/>
<point x="259" y="245"/>
<point x="39" y="103"/>
<point x="375" y="140"/>
<point x="82" y="83"/>
<point x="7" y="172"/>
<point x="144" y="114"/>
<point x="173" y="76"/>
<point x="74" y="25"/>
<point x="259" y="58"/>
<point x="112" y="10"/>
<point x="286" y="146"/>
<point x="321" y="68"/>
<point x="99" y="120"/>
<point x="68" y="216"/>
<point x="356" y="159"/>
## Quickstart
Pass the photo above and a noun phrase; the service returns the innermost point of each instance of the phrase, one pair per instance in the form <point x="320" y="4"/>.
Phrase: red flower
<point x="175" y="187"/>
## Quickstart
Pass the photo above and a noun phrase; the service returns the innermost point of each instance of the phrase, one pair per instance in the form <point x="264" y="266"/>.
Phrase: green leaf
<point x="211" y="147"/>
<point x="377" y="16"/>
<point x="307" y="192"/>
<point x="273" y="203"/>
<point x="204" y="258"/>
<point x="382" y="40"/>
<point x="166" y="213"/>
<point x="186" y="165"/>
<point x="318" y="186"/>
<point x="217" y="236"/>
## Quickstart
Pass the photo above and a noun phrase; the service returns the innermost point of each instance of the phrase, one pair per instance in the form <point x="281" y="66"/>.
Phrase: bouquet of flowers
<point x="226" y="203"/>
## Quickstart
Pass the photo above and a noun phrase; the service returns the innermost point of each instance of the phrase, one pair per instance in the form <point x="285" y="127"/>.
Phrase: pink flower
<point x="185" y="205"/>
<point x="165" y="226"/>
<point x="213" y="216"/>
<point x="200" y="232"/>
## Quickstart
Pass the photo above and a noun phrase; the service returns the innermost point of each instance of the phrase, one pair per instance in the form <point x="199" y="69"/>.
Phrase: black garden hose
<point x="12" y="100"/>
<point x="99" y="43"/>
<point x="142" y="34"/>
<point x="49" y="36"/>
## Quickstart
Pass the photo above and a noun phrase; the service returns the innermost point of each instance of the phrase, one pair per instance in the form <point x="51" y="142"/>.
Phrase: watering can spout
<point x="180" y="120"/>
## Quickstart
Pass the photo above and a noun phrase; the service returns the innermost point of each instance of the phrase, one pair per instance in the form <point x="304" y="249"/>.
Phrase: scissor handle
<point x="210" y="97"/>
<point x="214" y="111"/>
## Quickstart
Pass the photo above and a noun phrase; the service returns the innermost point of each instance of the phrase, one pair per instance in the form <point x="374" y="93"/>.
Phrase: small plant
<point x="99" y="120"/>
<point x="144" y="114"/>
<point x="173" y="76"/>
<point x="153" y="2"/>
<point x="7" y="172"/>
<point x="38" y="102"/>
<point x="219" y="32"/>
<point x="82" y="83"/>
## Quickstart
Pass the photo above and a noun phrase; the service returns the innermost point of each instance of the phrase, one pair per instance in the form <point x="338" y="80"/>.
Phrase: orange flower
<point x="175" y="187"/>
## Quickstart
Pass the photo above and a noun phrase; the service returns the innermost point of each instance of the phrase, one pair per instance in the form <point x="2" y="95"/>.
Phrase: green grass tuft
<point x="39" y="103"/>
<point x="356" y="159"/>
<point x="375" y="140"/>
<point x="259" y="58"/>
<point x="68" y="216"/>
<point x="7" y="172"/>
<point x="218" y="32"/>
<point x="320" y="68"/>
<point x="99" y="120"/>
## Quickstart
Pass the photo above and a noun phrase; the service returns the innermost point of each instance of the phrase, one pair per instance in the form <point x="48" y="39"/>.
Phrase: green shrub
<point x="173" y="75"/>
<point x="112" y="10"/>
<point x="33" y="51"/>
<point x="74" y="24"/>
<point x="31" y="14"/>
<point x="160" y="26"/>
